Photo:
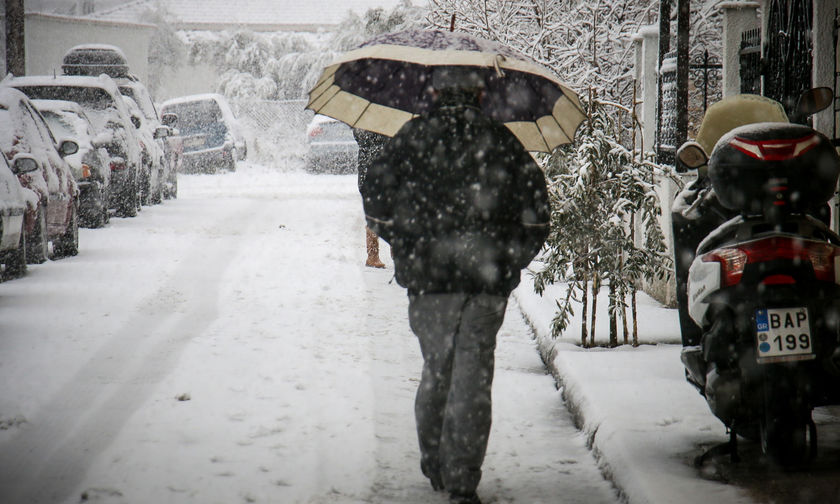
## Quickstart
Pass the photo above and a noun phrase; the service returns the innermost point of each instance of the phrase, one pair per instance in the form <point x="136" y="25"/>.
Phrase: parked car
<point x="12" y="210"/>
<point x="95" y="59"/>
<point x="136" y="91"/>
<point x="91" y="165"/>
<point x="212" y="137"/>
<point x="152" y="175"/>
<point x="331" y="147"/>
<point x="52" y="213"/>
<point x="102" y="102"/>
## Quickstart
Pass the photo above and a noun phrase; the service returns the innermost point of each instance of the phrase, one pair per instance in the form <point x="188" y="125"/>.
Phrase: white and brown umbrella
<point x="386" y="82"/>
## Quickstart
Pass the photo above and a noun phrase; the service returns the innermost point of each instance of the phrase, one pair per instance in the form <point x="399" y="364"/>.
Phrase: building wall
<point x="49" y="37"/>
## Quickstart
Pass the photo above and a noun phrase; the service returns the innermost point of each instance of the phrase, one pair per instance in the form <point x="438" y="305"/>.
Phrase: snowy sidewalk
<point x="646" y="424"/>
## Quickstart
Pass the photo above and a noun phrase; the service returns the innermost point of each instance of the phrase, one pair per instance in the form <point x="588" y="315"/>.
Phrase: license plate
<point x="783" y="334"/>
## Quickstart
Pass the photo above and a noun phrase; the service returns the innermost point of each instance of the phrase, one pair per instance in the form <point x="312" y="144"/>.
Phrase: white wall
<point x="49" y="37"/>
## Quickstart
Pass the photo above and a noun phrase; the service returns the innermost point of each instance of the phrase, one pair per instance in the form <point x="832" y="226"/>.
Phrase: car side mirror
<point x="814" y="100"/>
<point x="24" y="163"/>
<point x="169" y="119"/>
<point x="691" y="156"/>
<point x="135" y="121"/>
<point x="161" y="132"/>
<point x="67" y="148"/>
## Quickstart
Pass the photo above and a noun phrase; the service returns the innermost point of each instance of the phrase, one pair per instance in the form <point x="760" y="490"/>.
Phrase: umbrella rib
<point x="361" y="114"/>
<point x="570" y="138"/>
<point x="542" y="135"/>
<point x="313" y="99"/>
<point x="338" y="90"/>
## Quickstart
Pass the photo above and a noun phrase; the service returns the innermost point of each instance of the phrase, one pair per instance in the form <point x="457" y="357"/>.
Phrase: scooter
<point x="763" y="287"/>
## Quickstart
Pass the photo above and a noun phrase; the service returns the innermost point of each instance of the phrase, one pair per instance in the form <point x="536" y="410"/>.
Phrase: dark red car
<point x="53" y="203"/>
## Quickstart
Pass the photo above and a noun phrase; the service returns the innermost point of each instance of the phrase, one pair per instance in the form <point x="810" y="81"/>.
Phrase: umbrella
<point x="386" y="82"/>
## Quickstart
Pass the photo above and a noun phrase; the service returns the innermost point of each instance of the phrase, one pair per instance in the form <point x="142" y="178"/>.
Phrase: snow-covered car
<point x="53" y="202"/>
<point x="12" y="210"/>
<point x="134" y="89"/>
<point x="331" y="147"/>
<point x="95" y="59"/>
<point x="152" y="174"/>
<point x="211" y="135"/>
<point x="102" y="102"/>
<point x="91" y="165"/>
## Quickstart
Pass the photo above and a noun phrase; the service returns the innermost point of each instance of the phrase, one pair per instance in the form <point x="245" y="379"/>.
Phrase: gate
<point x="837" y="77"/>
<point x="750" y="61"/>
<point x="666" y="137"/>
<point x="788" y="51"/>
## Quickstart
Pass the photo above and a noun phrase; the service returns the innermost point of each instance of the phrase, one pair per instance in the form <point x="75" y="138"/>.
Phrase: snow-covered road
<point x="229" y="346"/>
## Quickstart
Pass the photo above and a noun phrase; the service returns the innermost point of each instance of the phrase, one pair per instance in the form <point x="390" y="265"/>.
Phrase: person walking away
<point x="370" y="145"/>
<point x="465" y="208"/>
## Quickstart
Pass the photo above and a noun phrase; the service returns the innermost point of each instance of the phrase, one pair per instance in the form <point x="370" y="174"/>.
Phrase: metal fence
<point x="750" y="61"/>
<point x="667" y="135"/>
<point x="276" y="129"/>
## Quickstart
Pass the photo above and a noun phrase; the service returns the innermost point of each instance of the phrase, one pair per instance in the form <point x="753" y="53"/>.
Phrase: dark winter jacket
<point x="462" y="204"/>
<point x="370" y="145"/>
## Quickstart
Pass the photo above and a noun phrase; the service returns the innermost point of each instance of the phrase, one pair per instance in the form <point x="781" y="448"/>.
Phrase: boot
<point x="373" y="250"/>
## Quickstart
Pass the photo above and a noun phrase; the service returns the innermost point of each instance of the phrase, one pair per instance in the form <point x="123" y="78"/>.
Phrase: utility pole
<point x="15" y="50"/>
<point x="664" y="47"/>
<point x="683" y="18"/>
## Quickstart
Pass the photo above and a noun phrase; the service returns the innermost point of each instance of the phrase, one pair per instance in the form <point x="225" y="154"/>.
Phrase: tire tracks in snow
<point x="49" y="458"/>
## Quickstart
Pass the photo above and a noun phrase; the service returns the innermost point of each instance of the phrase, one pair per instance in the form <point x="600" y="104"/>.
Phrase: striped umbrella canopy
<point x="387" y="81"/>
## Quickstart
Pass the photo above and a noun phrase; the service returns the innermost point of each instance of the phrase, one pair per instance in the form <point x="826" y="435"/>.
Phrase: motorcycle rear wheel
<point x="788" y="437"/>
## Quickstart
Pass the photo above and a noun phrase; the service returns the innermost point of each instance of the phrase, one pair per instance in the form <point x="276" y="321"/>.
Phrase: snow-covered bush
<point x="285" y="65"/>
<point x="599" y="190"/>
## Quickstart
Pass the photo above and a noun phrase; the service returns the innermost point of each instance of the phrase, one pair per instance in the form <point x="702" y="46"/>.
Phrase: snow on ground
<point x="230" y="346"/>
<point x="646" y="424"/>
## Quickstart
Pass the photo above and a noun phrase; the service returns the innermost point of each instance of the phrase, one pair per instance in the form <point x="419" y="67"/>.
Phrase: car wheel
<point x="157" y="197"/>
<point x="68" y="243"/>
<point x="16" y="260"/>
<point x="145" y="189"/>
<point x="127" y="202"/>
<point x="100" y="217"/>
<point x="106" y="197"/>
<point x="37" y="248"/>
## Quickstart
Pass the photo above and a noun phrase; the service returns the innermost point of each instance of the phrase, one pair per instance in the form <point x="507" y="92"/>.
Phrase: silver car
<point x="331" y="147"/>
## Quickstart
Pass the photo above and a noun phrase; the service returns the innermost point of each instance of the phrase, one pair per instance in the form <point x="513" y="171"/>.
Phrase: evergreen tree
<point x="598" y="190"/>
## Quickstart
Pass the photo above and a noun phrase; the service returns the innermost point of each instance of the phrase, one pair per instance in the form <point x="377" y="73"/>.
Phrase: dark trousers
<point x="457" y="334"/>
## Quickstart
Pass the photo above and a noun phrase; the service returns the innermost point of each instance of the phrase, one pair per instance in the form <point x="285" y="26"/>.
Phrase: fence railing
<point x="276" y="129"/>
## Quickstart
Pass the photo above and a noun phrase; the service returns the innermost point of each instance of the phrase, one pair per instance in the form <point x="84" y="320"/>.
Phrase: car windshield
<point x="197" y="117"/>
<point x="92" y="98"/>
<point x="143" y="101"/>
<point x="65" y="125"/>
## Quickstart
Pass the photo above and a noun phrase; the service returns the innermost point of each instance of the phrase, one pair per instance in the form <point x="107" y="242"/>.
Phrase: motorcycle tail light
<point x="117" y="166"/>
<point x="822" y="257"/>
<point x="85" y="171"/>
<point x="732" y="262"/>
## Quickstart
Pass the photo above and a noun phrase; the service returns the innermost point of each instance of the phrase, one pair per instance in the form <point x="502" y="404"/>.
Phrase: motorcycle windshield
<point x="734" y="111"/>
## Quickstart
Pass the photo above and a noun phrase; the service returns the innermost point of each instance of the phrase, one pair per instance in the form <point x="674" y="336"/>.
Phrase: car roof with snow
<point x="227" y="113"/>
<point x="101" y="47"/>
<point x="93" y="59"/>
<point x="101" y="81"/>
<point x="318" y="119"/>
<point x="9" y="95"/>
